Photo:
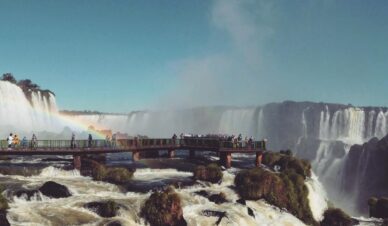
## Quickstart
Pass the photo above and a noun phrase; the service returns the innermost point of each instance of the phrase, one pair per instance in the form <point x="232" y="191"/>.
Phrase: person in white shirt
<point x="10" y="140"/>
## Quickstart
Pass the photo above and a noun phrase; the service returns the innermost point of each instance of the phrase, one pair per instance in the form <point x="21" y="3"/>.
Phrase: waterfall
<point x="236" y="121"/>
<point x="381" y="124"/>
<point x="20" y="115"/>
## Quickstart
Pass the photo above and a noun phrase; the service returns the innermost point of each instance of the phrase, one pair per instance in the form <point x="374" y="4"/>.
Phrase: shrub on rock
<point x="163" y="208"/>
<point x="118" y="175"/>
<point x="336" y="217"/>
<point x="284" y="190"/>
<point x="211" y="173"/>
<point x="287" y="162"/>
<point x="3" y="203"/>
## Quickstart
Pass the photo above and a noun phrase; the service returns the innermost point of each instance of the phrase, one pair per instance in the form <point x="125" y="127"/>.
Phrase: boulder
<point x="3" y="218"/>
<point x="336" y="217"/>
<point x="103" y="209"/>
<point x="378" y="208"/>
<point x="54" y="190"/>
<point x="28" y="194"/>
<point x="218" y="198"/>
<point x="211" y="173"/>
<point x="163" y="208"/>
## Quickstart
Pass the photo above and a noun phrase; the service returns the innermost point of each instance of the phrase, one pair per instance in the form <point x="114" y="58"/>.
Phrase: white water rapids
<point x="69" y="211"/>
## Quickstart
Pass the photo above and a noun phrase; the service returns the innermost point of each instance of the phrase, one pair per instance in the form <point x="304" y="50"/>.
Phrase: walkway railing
<point x="134" y="143"/>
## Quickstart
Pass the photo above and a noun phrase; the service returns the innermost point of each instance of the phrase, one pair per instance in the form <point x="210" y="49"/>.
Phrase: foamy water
<point x="42" y="210"/>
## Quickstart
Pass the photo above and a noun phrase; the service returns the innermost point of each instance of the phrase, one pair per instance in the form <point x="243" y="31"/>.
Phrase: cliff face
<point x="365" y="171"/>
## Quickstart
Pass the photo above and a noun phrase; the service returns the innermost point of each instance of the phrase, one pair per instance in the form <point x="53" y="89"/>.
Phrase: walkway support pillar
<point x="192" y="154"/>
<point x="77" y="162"/>
<point x="171" y="153"/>
<point x="226" y="159"/>
<point x="136" y="155"/>
<point x="259" y="158"/>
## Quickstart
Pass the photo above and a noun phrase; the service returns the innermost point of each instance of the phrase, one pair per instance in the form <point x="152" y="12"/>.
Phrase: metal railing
<point x="133" y="143"/>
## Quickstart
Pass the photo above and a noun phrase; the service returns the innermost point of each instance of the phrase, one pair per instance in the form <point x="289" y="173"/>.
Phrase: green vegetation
<point x="284" y="190"/>
<point x="3" y="203"/>
<point x="26" y="85"/>
<point x="116" y="175"/>
<point x="163" y="208"/>
<point x="336" y="217"/>
<point x="211" y="173"/>
<point x="287" y="163"/>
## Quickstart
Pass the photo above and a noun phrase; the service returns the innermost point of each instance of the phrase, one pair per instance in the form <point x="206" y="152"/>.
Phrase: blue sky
<point x="118" y="56"/>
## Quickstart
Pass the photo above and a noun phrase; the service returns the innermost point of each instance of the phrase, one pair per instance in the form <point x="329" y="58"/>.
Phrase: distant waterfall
<point x="18" y="114"/>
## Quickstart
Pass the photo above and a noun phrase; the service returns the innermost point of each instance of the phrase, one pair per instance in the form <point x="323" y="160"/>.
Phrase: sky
<point x="121" y="56"/>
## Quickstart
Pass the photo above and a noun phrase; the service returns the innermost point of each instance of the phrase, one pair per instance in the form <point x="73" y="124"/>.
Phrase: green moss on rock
<point x="287" y="163"/>
<point x="336" y="217"/>
<point x="116" y="175"/>
<point x="163" y="208"/>
<point x="284" y="190"/>
<point x="3" y="203"/>
<point x="211" y="173"/>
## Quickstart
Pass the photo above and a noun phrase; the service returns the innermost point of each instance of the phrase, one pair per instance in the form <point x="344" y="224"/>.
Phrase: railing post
<point x="135" y="155"/>
<point x="77" y="162"/>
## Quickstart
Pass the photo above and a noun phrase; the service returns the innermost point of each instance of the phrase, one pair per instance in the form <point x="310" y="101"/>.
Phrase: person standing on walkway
<point x="72" y="143"/>
<point x="10" y="140"/>
<point x="34" y="141"/>
<point x="90" y="140"/>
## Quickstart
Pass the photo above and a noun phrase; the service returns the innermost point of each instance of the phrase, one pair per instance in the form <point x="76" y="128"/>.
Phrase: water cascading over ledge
<point x="21" y="115"/>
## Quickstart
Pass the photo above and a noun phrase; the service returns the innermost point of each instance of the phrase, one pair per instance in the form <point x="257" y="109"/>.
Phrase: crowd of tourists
<point x="14" y="141"/>
<point x="228" y="140"/>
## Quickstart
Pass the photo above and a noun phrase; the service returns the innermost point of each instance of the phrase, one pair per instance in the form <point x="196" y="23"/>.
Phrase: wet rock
<point x="378" y="208"/>
<point x="336" y="217"/>
<point x="3" y="218"/>
<point x="28" y="194"/>
<point x="250" y="212"/>
<point x="218" y="198"/>
<point x="114" y="223"/>
<point x="54" y="190"/>
<point x="103" y="209"/>
<point x="163" y="208"/>
<point x="213" y="213"/>
<point x="242" y="202"/>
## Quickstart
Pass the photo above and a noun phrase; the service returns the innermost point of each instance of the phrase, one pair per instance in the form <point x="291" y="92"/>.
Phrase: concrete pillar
<point x="135" y="156"/>
<point x="171" y="153"/>
<point x="192" y="154"/>
<point x="259" y="158"/>
<point x="77" y="162"/>
<point x="226" y="159"/>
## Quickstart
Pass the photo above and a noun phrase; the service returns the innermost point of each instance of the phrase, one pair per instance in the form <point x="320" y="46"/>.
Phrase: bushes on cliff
<point x="287" y="163"/>
<point x="163" y="208"/>
<point x="336" y="217"/>
<point x="284" y="190"/>
<point x="211" y="173"/>
<point x="117" y="175"/>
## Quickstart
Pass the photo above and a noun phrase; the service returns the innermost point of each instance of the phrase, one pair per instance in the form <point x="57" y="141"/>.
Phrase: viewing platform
<point x="79" y="148"/>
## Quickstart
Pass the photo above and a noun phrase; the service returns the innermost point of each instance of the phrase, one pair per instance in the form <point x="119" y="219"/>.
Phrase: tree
<point x="9" y="77"/>
<point x="27" y="84"/>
